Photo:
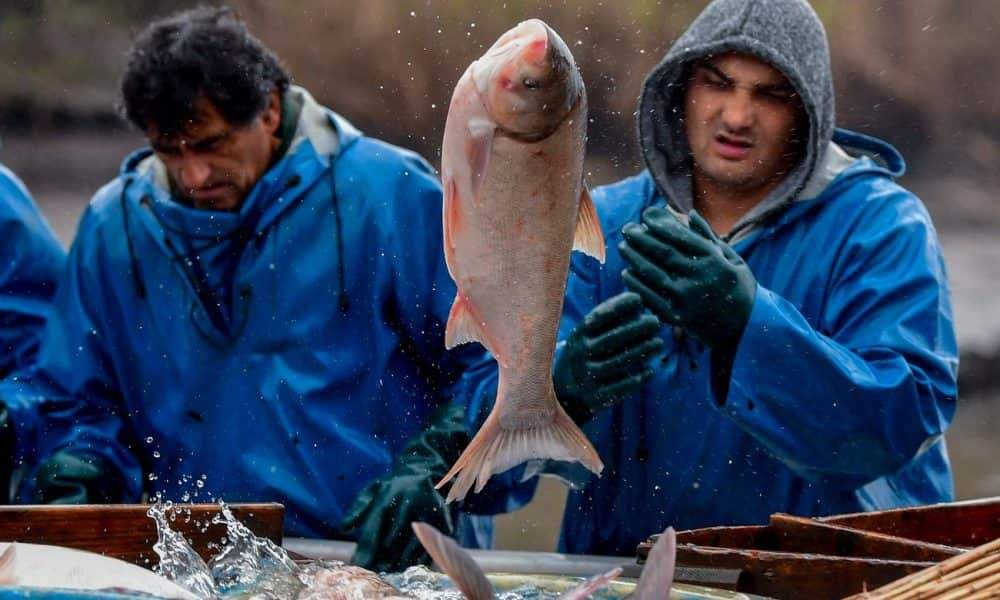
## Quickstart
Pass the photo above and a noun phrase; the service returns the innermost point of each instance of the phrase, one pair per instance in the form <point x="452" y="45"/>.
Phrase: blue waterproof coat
<point x="294" y="370"/>
<point x="842" y="385"/>
<point x="31" y="260"/>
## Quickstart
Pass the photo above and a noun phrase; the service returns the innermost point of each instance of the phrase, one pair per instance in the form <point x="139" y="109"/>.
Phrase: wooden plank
<point x="789" y="575"/>
<point x="800" y="534"/>
<point x="124" y="531"/>
<point x="959" y="524"/>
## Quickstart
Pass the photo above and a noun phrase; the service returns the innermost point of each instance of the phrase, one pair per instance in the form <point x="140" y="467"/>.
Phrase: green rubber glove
<point x="604" y="359"/>
<point x="383" y="510"/>
<point x="65" y="478"/>
<point x="6" y="453"/>
<point x="689" y="277"/>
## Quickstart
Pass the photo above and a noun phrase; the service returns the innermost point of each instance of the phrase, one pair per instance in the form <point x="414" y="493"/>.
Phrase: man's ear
<point x="271" y="119"/>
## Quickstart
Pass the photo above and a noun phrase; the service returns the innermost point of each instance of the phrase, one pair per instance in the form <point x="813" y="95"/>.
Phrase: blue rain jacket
<point x="31" y="260"/>
<point x="842" y="385"/>
<point x="293" y="372"/>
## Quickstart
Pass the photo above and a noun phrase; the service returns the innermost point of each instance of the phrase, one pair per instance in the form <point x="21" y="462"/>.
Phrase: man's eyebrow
<point x="708" y="66"/>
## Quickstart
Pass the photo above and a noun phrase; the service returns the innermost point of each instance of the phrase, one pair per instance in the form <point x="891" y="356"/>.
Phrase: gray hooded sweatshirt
<point x="786" y="34"/>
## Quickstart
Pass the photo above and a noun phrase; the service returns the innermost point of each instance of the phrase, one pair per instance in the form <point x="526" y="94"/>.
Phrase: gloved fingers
<point x="625" y="363"/>
<point x="657" y="254"/>
<point x="667" y="228"/>
<point x="663" y="305"/>
<point x="705" y="230"/>
<point x="644" y="327"/>
<point x="701" y="226"/>
<point x="610" y="313"/>
<point x="362" y="506"/>
<point x="616" y="392"/>
<point x="656" y="276"/>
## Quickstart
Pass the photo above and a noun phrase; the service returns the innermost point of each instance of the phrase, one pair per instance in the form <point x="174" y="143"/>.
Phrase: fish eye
<point x="531" y="84"/>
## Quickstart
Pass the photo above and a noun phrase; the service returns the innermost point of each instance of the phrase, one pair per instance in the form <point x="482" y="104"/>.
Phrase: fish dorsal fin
<point x="480" y="147"/>
<point x="587" y="588"/>
<point x="658" y="574"/>
<point x="455" y="562"/>
<point x="589" y="238"/>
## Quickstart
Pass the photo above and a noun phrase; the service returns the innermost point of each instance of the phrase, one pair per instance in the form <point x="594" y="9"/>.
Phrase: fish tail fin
<point x="588" y="587"/>
<point x="496" y="448"/>
<point x="588" y="238"/>
<point x="7" y="562"/>
<point x="455" y="562"/>
<point x="658" y="574"/>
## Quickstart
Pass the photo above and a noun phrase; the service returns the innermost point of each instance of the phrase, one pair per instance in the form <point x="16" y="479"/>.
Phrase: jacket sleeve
<point x="874" y="384"/>
<point x="73" y="391"/>
<point x="32" y="259"/>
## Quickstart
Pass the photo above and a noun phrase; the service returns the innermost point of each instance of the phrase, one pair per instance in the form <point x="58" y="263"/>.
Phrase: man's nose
<point x="738" y="111"/>
<point x="194" y="172"/>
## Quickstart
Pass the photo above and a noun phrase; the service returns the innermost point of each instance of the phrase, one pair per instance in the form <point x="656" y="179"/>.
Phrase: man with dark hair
<point x="31" y="259"/>
<point x="254" y="309"/>
<point x="793" y="295"/>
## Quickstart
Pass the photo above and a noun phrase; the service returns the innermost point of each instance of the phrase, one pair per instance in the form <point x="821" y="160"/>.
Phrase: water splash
<point x="247" y="562"/>
<point x="178" y="560"/>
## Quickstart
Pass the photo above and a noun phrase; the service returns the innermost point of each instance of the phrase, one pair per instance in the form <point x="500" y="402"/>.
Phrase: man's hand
<point x="604" y="360"/>
<point x="383" y="510"/>
<point x="65" y="478"/>
<point x="689" y="277"/>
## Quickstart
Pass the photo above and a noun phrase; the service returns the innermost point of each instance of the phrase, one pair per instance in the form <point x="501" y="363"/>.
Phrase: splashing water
<point x="178" y="560"/>
<point x="251" y="568"/>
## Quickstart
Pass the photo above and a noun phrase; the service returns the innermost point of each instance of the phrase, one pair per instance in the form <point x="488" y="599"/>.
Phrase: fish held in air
<point x="515" y="207"/>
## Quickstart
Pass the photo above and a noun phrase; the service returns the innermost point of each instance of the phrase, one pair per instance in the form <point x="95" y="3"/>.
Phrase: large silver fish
<point x="43" y="566"/>
<point x="515" y="207"/>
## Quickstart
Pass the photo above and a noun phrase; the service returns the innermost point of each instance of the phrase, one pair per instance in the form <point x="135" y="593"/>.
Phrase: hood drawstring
<point x="140" y="287"/>
<point x="342" y="299"/>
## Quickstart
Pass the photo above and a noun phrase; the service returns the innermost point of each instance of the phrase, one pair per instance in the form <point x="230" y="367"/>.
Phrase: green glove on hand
<point x="66" y="478"/>
<point x="689" y="277"/>
<point x="604" y="359"/>
<point x="383" y="510"/>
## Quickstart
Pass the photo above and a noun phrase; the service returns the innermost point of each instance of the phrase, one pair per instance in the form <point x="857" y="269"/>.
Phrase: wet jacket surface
<point x="284" y="353"/>
<point x="31" y="260"/>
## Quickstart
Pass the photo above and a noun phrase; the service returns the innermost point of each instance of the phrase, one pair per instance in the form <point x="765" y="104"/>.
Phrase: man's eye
<point x="783" y="95"/>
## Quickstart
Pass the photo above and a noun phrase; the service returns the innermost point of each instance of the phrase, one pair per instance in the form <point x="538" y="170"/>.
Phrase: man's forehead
<point x="204" y="120"/>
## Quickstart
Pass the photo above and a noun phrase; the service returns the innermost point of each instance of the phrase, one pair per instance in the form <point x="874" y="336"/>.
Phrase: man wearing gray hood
<point x="794" y="298"/>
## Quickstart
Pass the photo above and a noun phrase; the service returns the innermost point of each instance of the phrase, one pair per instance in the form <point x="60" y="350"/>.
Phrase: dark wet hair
<point x="205" y="50"/>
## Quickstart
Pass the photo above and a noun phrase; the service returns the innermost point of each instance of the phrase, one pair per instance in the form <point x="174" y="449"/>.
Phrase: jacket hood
<point x="788" y="35"/>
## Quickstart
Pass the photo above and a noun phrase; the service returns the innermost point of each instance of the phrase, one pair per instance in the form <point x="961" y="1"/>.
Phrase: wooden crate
<point x="124" y="531"/>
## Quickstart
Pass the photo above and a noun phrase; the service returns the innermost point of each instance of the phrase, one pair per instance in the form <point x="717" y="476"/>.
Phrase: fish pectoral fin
<point x="587" y="588"/>
<point x="658" y="574"/>
<point x="589" y="238"/>
<point x="463" y="326"/>
<point x="479" y="149"/>
<point x="8" y="561"/>
<point x="455" y="562"/>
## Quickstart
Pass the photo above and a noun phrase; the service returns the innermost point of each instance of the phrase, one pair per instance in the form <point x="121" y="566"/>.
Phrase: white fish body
<point x="515" y="207"/>
<point x="44" y="566"/>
